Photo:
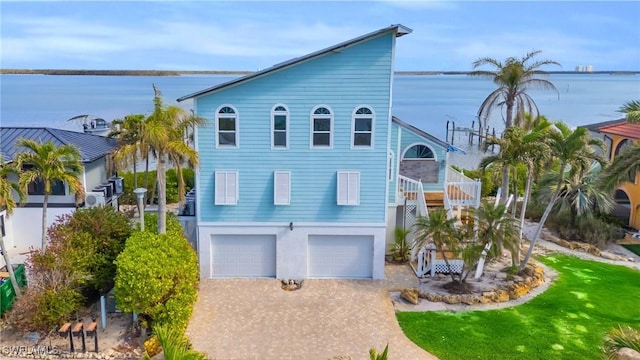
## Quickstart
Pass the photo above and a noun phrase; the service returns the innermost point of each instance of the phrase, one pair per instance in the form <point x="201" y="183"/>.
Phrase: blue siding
<point x="357" y="75"/>
<point x="409" y="138"/>
<point x="394" y="146"/>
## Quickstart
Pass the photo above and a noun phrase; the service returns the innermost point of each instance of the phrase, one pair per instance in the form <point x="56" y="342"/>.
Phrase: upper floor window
<point x="226" y="127"/>
<point x="279" y="127"/>
<point x="321" y="127"/>
<point x="419" y="151"/>
<point x="362" y="128"/>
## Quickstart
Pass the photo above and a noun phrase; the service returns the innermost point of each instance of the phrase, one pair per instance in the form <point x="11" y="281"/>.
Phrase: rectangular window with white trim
<point x="282" y="188"/>
<point x="348" y="188"/>
<point x="226" y="187"/>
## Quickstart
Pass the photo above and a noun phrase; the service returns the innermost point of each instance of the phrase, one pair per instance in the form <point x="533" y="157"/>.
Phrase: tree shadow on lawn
<point x="568" y="321"/>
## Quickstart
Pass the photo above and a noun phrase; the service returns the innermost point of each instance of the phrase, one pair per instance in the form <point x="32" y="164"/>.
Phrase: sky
<point x="242" y="35"/>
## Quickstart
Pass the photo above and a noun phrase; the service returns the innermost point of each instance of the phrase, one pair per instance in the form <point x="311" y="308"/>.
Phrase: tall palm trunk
<point x="545" y="215"/>
<point x="146" y="177"/>
<point x="162" y="192"/>
<point x="135" y="171"/>
<point x="44" y="221"/>
<point x="523" y="208"/>
<point x="7" y="261"/>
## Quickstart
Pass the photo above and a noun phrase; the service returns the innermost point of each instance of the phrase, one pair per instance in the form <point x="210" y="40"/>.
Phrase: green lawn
<point x="634" y="248"/>
<point x="568" y="321"/>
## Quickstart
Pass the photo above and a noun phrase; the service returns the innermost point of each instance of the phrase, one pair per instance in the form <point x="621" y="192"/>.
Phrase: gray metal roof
<point x="398" y="29"/>
<point x="91" y="147"/>
<point x="420" y="132"/>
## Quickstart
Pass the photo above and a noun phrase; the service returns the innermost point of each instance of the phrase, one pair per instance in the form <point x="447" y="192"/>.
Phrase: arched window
<point x="321" y="127"/>
<point x="362" y="128"/>
<point x="419" y="151"/>
<point x="227" y="127"/>
<point x="279" y="127"/>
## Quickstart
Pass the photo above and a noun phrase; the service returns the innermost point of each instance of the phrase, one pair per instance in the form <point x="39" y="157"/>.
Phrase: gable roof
<point x="91" y="147"/>
<point x="421" y="133"/>
<point x="398" y="29"/>
<point x="620" y="127"/>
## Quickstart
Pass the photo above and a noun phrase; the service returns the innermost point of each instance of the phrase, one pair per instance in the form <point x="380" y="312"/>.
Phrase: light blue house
<point x="299" y="165"/>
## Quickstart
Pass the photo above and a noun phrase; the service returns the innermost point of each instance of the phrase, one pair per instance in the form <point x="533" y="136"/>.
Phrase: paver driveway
<point x="256" y="319"/>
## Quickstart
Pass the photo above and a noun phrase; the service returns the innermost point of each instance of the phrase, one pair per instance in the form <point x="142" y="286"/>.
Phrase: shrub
<point x="157" y="277"/>
<point x="173" y="225"/>
<point x="43" y="309"/>
<point x="106" y="231"/>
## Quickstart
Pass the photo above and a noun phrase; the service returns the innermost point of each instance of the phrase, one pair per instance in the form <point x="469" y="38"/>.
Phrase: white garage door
<point x="243" y="256"/>
<point x="340" y="256"/>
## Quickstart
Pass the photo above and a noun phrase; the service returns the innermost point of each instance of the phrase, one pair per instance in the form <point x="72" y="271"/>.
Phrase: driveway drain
<point x="291" y="285"/>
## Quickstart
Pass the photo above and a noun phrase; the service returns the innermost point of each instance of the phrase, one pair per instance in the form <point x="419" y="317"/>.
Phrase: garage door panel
<point x="340" y="256"/>
<point x="243" y="256"/>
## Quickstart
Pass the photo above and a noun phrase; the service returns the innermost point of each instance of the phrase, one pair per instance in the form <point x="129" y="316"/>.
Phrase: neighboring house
<point x="23" y="228"/>
<point x="298" y="174"/>
<point x="618" y="135"/>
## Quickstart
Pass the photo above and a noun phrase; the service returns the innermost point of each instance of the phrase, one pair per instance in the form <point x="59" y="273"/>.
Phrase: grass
<point x="568" y="321"/>
<point x="634" y="248"/>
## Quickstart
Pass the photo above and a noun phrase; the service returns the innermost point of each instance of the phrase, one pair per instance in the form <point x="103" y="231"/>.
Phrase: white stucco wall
<point x="26" y="226"/>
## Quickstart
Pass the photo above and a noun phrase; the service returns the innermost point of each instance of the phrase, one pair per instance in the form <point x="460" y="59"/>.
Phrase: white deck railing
<point x="461" y="190"/>
<point x="412" y="190"/>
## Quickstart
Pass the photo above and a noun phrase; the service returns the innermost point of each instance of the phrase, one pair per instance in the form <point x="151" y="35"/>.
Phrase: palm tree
<point x="575" y="150"/>
<point x="579" y="193"/>
<point x="534" y="153"/>
<point x="441" y="231"/>
<point x="631" y="110"/>
<point x="47" y="163"/>
<point x="164" y="132"/>
<point x="506" y="157"/>
<point x="514" y="78"/>
<point x="497" y="228"/>
<point x="128" y="132"/>
<point x="7" y="201"/>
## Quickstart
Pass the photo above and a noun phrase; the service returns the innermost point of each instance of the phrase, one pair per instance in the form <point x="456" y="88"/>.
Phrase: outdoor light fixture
<point x="92" y="332"/>
<point x="291" y="226"/>
<point x="140" y="195"/>
<point x="78" y="331"/>
<point x="65" y="331"/>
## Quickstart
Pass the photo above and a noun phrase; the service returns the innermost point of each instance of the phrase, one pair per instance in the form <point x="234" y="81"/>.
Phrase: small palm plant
<point x="619" y="338"/>
<point x="400" y="248"/>
<point x="375" y="355"/>
<point x="175" y="345"/>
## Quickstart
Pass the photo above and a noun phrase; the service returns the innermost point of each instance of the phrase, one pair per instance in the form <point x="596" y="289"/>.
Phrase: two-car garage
<point x="327" y="256"/>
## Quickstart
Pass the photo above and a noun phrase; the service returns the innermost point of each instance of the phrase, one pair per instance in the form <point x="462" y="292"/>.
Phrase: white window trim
<point x="237" y="117"/>
<point x="352" y="175"/>
<point x="275" y="187"/>
<point x="353" y="127"/>
<point x="390" y="166"/>
<point x="433" y="151"/>
<point x="273" y="114"/>
<point x="331" y="131"/>
<point x="224" y="202"/>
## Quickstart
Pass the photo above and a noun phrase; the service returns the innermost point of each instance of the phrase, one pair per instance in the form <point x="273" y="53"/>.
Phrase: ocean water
<point x="425" y="101"/>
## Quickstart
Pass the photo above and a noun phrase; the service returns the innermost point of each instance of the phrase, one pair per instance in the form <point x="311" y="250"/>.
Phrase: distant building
<point x="589" y="68"/>
<point x="579" y="68"/>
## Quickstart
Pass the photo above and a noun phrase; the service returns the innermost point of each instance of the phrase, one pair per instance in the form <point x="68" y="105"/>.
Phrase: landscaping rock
<point x="593" y="251"/>
<point x="564" y="243"/>
<point x="628" y="354"/>
<point x="501" y="296"/>
<point x="451" y="299"/>
<point x="434" y="297"/>
<point x="469" y="299"/>
<point x="610" y="256"/>
<point x="573" y="245"/>
<point x="411" y="295"/>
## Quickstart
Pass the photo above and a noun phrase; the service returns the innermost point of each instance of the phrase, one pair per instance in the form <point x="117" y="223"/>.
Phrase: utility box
<point x="110" y="302"/>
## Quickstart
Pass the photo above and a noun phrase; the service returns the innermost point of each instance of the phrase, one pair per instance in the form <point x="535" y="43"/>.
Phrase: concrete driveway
<point x="325" y="319"/>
